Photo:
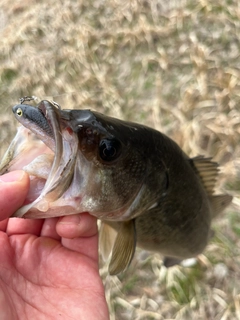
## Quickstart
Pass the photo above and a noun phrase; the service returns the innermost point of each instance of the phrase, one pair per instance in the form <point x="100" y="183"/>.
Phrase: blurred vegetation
<point x="171" y="65"/>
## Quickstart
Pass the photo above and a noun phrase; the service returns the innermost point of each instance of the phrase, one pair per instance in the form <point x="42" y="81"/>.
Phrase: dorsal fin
<point x="219" y="203"/>
<point x="207" y="170"/>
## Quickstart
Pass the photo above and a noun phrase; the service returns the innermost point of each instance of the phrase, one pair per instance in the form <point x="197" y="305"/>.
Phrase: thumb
<point x="14" y="187"/>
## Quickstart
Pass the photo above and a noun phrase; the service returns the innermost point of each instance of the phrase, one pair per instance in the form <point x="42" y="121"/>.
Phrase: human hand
<point x="48" y="267"/>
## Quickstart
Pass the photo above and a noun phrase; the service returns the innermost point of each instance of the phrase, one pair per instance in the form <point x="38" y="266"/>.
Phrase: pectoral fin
<point x="107" y="236"/>
<point x="124" y="248"/>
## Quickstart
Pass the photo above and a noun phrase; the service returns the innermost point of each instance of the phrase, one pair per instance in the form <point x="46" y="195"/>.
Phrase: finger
<point x="77" y="225"/>
<point x="86" y="246"/>
<point x="13" y="191"/>
<point x="22" y="226"/>
<point x="49" y="229"/>
<point x="3" y="225"/>
<point x="79" y="233"/>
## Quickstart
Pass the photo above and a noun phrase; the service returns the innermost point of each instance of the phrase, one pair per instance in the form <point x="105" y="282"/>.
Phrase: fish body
<point x="135" y="179"/>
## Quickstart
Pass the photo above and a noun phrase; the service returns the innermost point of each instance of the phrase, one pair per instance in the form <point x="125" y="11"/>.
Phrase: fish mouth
<point x="62" y="169"/>
<point x="51" y="168"/>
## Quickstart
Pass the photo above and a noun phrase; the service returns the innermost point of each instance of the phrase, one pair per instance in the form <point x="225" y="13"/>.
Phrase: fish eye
<point x="109" y="150"/>
<point x="19" y="112"/>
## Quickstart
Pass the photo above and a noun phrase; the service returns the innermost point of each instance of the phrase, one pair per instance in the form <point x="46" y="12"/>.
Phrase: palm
<point x="45" y="276"/>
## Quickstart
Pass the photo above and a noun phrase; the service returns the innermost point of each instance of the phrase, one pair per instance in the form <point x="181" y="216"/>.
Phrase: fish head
<point x="80" y="161"/>
<point x="112" y="171"/>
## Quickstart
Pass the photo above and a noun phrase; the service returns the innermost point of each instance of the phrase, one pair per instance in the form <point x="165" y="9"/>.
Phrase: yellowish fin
<point x="107" y="236"/>
<point x="124" y="248"/>
<point x="219" y="203"/>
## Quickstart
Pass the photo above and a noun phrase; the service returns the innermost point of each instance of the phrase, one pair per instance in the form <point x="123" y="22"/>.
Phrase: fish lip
<point x="50" y="112"/>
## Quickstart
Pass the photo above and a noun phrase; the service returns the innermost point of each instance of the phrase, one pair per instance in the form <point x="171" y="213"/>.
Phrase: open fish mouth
<point x="50" y="163"/>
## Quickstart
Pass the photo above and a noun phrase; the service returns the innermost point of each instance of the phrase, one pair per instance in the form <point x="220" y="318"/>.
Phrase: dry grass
<point x="175" y="67"/>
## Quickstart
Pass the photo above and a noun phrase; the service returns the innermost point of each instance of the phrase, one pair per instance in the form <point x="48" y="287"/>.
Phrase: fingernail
<point x="73" y="219"/>
<point x="12" y="176"/>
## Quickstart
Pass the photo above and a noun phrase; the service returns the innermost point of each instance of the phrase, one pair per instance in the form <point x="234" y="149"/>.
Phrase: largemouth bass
<point x="135" y="179"/>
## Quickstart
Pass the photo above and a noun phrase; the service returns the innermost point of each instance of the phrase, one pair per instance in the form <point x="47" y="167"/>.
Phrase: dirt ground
<point x="173" y="66"/>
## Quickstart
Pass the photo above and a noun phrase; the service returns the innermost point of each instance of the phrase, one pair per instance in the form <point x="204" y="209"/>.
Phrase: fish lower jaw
<point x="52" y="212"/>
<point x="23" y="211"/>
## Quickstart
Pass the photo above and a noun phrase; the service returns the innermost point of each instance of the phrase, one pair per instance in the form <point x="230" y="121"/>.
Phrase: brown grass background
<point x="172" y="65"/>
